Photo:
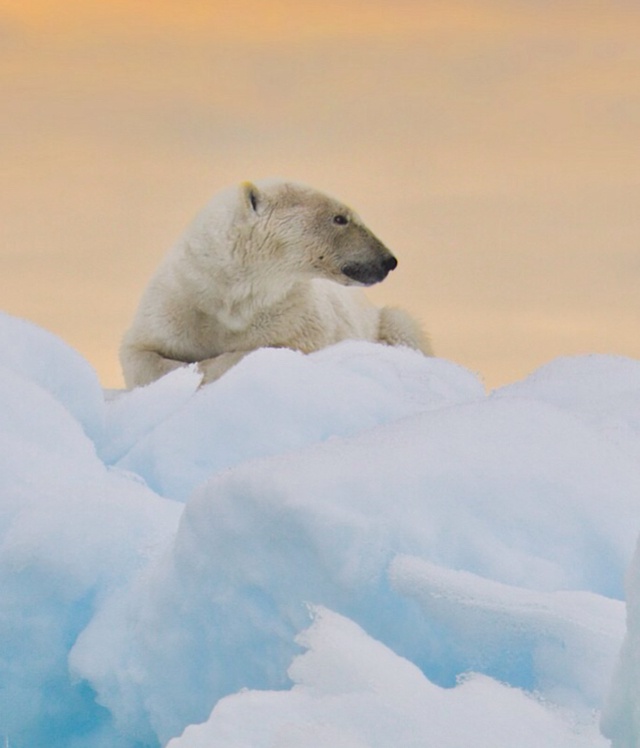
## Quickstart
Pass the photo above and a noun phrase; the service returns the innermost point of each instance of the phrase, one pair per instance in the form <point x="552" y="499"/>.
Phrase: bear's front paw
<point x="213" y="368"/>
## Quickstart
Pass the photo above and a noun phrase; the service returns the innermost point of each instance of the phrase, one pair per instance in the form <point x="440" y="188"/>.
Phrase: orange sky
<point x="259" y="21"/>
<point x="493" y="145"/>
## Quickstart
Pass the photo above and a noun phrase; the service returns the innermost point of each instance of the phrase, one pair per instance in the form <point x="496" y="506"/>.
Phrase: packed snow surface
<point x="358" y="548"/>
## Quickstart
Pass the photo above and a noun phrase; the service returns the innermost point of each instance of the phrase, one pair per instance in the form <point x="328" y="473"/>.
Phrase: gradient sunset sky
<point x="493" y="146"/>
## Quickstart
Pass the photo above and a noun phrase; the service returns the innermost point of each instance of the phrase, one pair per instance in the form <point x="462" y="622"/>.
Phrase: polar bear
<point x="270" y="264"/>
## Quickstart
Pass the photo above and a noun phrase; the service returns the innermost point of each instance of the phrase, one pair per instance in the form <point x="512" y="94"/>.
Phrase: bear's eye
<point x="340" y="220"/>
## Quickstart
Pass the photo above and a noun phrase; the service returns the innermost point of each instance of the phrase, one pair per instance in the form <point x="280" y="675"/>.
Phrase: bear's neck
<point x="241" y="298"/>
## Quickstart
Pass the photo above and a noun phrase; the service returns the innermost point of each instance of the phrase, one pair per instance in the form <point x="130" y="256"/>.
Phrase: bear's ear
<point x="252" y="197"/>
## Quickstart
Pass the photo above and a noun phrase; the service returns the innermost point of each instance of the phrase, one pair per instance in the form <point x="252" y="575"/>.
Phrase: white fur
<point x="264" y="265"/>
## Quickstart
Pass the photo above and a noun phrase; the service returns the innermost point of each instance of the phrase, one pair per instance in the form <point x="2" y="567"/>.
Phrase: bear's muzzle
<point x="368" y="273"/>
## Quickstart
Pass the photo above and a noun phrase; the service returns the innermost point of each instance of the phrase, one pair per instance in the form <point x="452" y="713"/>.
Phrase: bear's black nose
<point x="370" y="273"/>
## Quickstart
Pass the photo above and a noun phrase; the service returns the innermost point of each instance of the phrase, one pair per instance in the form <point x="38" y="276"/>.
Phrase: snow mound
<point x="351" y="691"/>
<point x="462" y="555"/>
<point x="278" y="400"/>
<point x="40" y="357"/>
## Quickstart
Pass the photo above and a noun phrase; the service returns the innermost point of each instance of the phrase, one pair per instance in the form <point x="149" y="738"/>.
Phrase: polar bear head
<point x="290" y="230"/>
<point x="312" y="234"/>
